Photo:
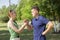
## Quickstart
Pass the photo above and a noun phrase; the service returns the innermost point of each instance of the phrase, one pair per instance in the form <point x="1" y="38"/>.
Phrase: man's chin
<point x="33" y="16"/>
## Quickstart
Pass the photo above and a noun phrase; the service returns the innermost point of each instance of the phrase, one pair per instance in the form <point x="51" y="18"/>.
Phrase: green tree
<point x="48" y="8"/>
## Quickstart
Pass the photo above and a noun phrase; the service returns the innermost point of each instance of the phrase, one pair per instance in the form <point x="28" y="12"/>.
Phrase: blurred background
<point x="48" y="8"/>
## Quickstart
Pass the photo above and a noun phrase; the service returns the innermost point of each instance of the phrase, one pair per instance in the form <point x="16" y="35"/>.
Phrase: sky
<point x="6" y="2"/>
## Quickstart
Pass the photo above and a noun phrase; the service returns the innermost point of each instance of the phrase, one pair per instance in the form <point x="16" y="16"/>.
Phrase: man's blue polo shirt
<point x="39" y="25"/>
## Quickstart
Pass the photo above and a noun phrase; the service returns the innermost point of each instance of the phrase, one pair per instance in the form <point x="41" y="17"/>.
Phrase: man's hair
<point x="36" y="7"/>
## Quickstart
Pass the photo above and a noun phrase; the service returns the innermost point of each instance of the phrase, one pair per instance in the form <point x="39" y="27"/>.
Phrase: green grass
<point x="25" y="35"/>
<point x="4" y="35"/>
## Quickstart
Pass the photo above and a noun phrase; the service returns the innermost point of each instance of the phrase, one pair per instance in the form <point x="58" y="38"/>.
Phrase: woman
<point x="13" y="27"/>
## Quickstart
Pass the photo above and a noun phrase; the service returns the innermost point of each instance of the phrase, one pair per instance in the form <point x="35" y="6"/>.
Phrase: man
<point x="38" y="24"/>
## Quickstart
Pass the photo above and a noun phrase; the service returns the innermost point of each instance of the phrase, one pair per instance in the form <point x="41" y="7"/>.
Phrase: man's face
<point x="34" y="12"/>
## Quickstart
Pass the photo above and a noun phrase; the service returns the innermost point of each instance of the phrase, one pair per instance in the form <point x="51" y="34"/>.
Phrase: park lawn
<point x="25" y="35"/>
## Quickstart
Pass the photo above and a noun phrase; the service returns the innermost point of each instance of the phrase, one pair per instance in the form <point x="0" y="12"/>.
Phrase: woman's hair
<point x="10" y="11"/>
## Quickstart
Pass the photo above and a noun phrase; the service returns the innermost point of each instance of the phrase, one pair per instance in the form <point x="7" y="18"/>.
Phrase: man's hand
<point x="26" y="22"/>
<point x="43" y="33"/>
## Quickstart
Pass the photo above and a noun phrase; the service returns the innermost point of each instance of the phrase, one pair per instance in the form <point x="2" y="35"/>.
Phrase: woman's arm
<point x="15" y="29"/>
<point x="21" y="28"/>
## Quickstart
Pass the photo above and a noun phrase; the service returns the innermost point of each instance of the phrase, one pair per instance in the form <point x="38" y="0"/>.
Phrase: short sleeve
<point x="31" y="22"/>
<point x="45" y="20"/>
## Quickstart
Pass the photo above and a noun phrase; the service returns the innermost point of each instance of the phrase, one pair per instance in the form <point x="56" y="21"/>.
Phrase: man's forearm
<point x="29" y="27"/>
<point x="50" y="26"/>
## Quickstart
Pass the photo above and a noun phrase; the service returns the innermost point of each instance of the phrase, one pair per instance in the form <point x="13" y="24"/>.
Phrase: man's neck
<point x="37" y="16"/>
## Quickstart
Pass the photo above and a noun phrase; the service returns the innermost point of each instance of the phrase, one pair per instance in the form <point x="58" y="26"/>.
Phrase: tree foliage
<point x="48" y="8"/>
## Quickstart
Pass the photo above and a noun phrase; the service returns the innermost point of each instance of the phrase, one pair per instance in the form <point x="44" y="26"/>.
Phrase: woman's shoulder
<point x="9" y="22"/>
